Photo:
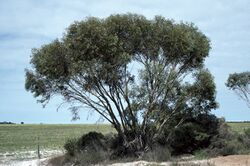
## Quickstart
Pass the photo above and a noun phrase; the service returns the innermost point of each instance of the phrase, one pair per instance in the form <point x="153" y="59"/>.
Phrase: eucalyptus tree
<point x="239" y="83"/>
<point x="91" y="66"/>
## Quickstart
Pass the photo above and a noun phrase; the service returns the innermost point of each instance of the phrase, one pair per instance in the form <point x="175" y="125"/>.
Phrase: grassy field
<point x="25" y="137"/>
<point x="239" y="126"/>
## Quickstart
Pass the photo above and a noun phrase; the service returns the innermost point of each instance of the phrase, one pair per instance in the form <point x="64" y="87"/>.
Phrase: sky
<point x="29" y="24"/>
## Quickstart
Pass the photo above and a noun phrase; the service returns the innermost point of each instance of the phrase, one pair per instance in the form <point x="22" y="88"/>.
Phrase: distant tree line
<point x="5" y="122"/>
<point x="245" y="121"/>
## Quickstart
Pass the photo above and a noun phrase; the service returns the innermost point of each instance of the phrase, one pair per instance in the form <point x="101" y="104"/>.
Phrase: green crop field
<point x="239" y="126"/>
<point x="26" y="137"/>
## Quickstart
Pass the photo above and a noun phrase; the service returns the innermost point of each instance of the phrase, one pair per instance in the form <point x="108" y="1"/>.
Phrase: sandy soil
<point x="26" y="158"/>
<point x="36" y="162"/>
<point x="233" y="160"/>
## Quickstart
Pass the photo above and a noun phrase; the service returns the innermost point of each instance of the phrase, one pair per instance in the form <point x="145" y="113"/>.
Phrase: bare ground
<point x="233" y="160"/>
<point x="26" y="158"/>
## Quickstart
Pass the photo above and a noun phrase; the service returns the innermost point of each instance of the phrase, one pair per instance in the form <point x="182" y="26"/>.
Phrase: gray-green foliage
<point x="239" y="83"/>
<point x="90" y="66"/>
<point x="92" y="141"/>
<point x="227" y="142"/>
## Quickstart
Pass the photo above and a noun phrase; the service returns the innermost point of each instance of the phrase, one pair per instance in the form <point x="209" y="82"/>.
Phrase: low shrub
<point x="221" y="144"/>
<point x="71" y="146"/>
<point x="245" y="139"/>
<point x="132" y="148"/>
<point x="194" y="134"/>
<point x="187" y="138"/>
<point x="91" y="148"/>
<point x="231" y="147"/>
<point x="199" y="137"/>
<point x="227" y="142"/>
<point x="158" y="153"/>
<point x="200" y="154"/>
<point x="247" y="133"/>
<point x="90" y="157"/>
<point x="93" y="141"/>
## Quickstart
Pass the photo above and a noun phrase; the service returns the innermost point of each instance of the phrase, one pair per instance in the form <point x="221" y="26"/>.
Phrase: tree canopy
<point x="93" y="65"/>
<point x="239" y="83"/>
